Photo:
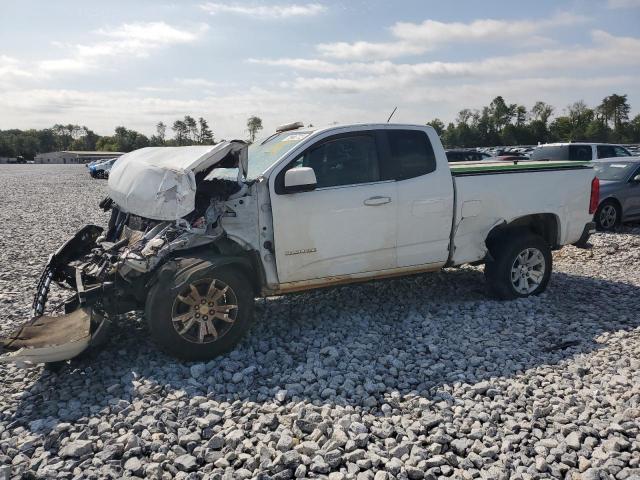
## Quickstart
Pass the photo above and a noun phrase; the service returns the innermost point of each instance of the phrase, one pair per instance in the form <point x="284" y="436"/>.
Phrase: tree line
<point x="501" y="123"/>
<point x="185" y="131"/>
<point x="498" y="123"/>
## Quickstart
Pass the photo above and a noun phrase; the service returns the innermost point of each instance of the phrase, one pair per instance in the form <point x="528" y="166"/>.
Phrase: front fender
<point x="180" y="268"/>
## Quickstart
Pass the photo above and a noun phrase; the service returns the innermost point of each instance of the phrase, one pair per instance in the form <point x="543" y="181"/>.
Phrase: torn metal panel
<point x="240" y="221"/>
<point x="150" y="249"/>
<point x="48" y="339"/>
<point x="160" y="182"/>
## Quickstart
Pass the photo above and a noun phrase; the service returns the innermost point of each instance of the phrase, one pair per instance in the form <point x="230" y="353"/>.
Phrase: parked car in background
<point x="509" y="157"/>
<point x="101" y="170"/>
<point x="619" y="191"/>
<point x="578" y="151"/>
<point x="94" y="163"/>
<point x="466" y="156"/>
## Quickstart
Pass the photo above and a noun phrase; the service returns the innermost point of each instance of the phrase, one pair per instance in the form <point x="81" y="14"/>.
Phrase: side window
<point x="411" y="153"/>
<point x="621" y="152"/>
<point x="605" y="151"/>
<point x="580" y="152"/>
<point x="343" y="161"/>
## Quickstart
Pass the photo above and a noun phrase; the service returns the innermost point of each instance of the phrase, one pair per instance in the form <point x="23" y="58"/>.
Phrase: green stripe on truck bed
<point x="485" y="168"/>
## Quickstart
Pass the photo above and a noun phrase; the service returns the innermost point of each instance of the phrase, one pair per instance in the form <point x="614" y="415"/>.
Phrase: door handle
<point x="376" y="201"/>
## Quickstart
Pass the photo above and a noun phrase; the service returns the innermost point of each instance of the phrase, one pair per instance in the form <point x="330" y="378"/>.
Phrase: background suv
<point x="578" y="151"/>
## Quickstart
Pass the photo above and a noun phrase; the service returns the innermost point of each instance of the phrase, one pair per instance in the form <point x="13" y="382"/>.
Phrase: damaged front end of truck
<point x="161" y="201"/>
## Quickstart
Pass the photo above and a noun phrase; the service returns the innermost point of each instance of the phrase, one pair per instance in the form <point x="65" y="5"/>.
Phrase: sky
<point x="135" y="63"/>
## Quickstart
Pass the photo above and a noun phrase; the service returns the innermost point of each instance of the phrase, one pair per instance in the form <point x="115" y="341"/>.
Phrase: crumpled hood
<point x="160" y="183"/>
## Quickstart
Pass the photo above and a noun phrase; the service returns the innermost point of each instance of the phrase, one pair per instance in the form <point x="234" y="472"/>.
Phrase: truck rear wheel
<point x="521" y="266"/>
<point x="202" y="317"/>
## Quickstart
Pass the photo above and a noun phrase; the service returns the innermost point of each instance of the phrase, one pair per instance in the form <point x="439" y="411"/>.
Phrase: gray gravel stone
<point x="77" y="448"/>
<point x="574" y="440"/>
<point x="134" y="465"/>
<point x="186" y="463"/>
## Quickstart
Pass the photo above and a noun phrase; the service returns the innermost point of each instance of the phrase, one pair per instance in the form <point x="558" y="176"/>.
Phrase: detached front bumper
<point x="49" y="339"/>
<point x="46" y="339"/>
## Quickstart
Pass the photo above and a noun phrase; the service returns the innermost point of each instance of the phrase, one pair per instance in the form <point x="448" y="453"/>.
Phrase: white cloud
<point x="365" y="50"/>
<point x="437" y="92"/>
<point x="265" y="11"/>
<point x="607" y="51"/>
<point x="12" y="70"/>
<point x="196" y="82"/>
<point x="103" y="110"/>
<point x="623" y="3"/>
<point x="130" y="40"/>
<point x="418" y="38"/>
<point x="300" y="64"/>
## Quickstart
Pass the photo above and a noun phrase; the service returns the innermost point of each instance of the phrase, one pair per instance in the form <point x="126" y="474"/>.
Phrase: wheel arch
<point x="615" y="200"/>
<point x="546" y="225"/>
<point x="181" y="266"/>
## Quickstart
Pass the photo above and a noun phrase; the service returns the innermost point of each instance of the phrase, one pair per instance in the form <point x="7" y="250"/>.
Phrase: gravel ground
<point x="422" y="377"/>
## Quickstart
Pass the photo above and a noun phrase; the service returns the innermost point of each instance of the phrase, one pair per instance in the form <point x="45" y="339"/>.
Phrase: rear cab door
<point x="425" y="195"/>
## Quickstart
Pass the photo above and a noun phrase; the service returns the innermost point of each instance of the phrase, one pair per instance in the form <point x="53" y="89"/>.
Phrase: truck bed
<point x="459" y="169"/>
<point x="486" y="196"/>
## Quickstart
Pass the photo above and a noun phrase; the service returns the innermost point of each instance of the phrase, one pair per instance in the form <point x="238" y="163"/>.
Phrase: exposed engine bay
<point x="161" y="201"/>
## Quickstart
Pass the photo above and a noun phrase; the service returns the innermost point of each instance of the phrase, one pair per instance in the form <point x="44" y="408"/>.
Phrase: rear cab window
<point x="411" y="153"/>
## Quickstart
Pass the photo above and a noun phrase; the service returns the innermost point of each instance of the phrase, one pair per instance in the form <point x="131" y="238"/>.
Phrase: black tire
<point x="505" y="252"/>
<point x="162" y="299"/>
<point x="603" y="216"/>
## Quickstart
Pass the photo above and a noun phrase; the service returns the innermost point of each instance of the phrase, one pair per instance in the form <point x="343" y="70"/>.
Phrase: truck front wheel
<point x="521" y="266"/>
<point x="202" y="317"/>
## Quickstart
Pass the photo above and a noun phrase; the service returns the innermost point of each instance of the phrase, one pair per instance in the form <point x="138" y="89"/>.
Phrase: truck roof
<point x="309" y="130"/>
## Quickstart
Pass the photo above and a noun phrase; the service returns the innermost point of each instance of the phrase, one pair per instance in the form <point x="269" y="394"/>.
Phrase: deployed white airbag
<point x="159" y="182"/>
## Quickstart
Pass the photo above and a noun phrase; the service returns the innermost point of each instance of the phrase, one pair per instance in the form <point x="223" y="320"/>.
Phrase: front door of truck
<point x="347" y="224"/>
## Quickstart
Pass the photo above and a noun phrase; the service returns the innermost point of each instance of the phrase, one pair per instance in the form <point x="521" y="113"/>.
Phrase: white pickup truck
<point x="196" y="233"/>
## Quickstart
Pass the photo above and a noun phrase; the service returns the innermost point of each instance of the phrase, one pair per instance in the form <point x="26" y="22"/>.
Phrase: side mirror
<point x="636" y="179"/>
<point x="300" y="179"/>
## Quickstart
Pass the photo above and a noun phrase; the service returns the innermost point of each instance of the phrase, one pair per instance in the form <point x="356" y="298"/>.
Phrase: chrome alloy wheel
<point x="528" y="270"/>
<point x="204" y="311"/>
<point x="608" y="217"/>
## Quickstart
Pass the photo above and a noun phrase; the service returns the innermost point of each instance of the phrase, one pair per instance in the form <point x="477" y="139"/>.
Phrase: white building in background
<point x="8" y="159"/>
<point x="74" y="156"/>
